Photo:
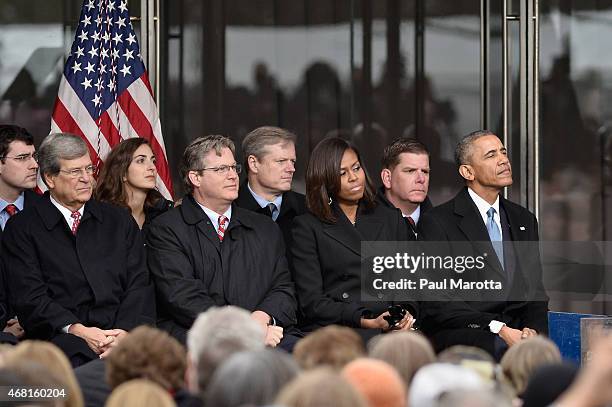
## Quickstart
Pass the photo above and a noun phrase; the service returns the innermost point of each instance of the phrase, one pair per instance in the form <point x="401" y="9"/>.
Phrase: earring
<point x="330" y="201"/>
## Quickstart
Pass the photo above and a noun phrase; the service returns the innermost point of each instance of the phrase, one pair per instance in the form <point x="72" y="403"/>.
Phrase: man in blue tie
<point x="479" y="214"/>
<point x="269" y="160"/>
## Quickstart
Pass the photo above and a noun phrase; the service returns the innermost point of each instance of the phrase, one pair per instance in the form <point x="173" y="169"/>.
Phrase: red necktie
<point x="411" y="221"/>
<point x="222" y="225"/>
<point x="76" y="215"/>
<point x="11" y="209"/>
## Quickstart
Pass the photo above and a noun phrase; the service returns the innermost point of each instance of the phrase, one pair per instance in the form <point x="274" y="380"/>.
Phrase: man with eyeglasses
<point x="269" y="160"/>
<point x="209" y="252"/>
<point x="76" y="267"/>
<point x="18" y="170"/>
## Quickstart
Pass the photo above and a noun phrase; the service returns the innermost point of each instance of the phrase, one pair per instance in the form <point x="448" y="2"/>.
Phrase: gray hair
<point x="218" y="333"/>
<point x="193" y="157"/>
<point x="463" y="151"/>
<point x="257" y="140"/>
<point x="56" y="147"/>
<point x="250" y="378"/>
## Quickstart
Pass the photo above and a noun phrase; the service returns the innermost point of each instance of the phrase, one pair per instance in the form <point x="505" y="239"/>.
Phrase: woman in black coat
<point x="128" y="179"/>
<point x="326" y="248"/>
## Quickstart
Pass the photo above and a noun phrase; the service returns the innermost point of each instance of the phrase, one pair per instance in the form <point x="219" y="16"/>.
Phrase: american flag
<point x="104" y="94"/>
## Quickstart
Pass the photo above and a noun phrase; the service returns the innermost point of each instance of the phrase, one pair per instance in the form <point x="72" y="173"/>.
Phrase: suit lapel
<point x="194" y="215"/>
<point x="473" y="227"/>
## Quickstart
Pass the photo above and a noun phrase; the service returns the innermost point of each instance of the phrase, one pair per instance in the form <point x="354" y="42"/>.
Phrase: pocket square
<point x="522" y="227"/>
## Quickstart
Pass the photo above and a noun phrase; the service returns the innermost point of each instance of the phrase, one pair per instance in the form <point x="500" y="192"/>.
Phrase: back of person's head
<point x="139" y="393"/>
<point x="547" y="383"/>
<point x="473" y="398"/>
<point x="377" y="381"/>
<point x="522" y="359"/>
<point x="332" y="346"/>
<point x="407" y="352"/>
<point x="54" y="360"/>
<point x="252" y="377"/>
<point x="35" y="374"/>
<point x="217" y="334"/>
<point x="147" y="353"/>
<point x="472" y="358"/>
<point x="320" y="387"/>
<point x="436" y="379"/>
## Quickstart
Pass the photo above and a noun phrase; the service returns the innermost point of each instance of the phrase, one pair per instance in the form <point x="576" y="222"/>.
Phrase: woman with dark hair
<point x="128" y="179"/>
<point x="326" y="248"/>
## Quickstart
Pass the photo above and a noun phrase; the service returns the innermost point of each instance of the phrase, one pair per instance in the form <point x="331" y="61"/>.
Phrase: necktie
<point x="411" y="221"/>
<point x="222" y="225"/>
<point x="11" y="209"/>
<point x="495" y="235"/>
<point x="272" y="208"/>
<point x="76" y="215"/>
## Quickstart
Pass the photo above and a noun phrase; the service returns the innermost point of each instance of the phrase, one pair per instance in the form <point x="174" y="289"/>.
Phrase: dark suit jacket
<point x="193" y="271"/>
<point x="382" y="200"/>
<point x="459" y="220"/>
<point x="98" y="277"/>
<point x="29" y="199"/>
<point x="294" y="204"/>
<point x="326" y="264"/>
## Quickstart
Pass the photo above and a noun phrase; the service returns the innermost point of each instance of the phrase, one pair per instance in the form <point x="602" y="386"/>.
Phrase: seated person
<point x="209" y="252"/>
<point x="76" y="267"/>
<point x="326" y="246"/>
<point x="18" y="170"/>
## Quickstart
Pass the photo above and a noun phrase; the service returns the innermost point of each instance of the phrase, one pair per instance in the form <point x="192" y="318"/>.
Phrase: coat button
<point x="380" y="296"/>
<point x="345" y="295"/>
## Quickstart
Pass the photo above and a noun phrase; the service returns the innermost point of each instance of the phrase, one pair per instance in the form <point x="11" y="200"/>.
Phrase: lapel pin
<point x="522" y="227"/>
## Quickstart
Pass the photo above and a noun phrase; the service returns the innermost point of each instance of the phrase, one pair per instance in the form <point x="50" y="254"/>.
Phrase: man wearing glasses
<point x="209" y="252"/>
<point x="75" y="266"/>
<point x="18" y="170"/>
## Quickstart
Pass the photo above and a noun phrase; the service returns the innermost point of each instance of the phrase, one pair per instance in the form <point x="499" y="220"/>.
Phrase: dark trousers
<point x="75" y="348"/>
<point x="478" y="338"/>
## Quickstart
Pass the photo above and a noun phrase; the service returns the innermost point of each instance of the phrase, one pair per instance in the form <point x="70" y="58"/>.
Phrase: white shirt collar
<point x="214" y="216"/>
<point x="483" y="206"/>
<point x="66" y="213"/>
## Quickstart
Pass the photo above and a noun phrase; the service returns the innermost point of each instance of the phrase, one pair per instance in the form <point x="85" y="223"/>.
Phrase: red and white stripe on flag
<point x="104" y="94"/>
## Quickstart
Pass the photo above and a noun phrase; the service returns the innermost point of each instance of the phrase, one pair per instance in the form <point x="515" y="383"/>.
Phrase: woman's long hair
<point x="323" y="178"/>
<point x="111" y="187"/>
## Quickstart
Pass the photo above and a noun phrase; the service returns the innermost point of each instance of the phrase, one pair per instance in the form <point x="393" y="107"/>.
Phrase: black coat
<point x="294" y="204"/>
<point x="193" y="271"/>
<point x="29" y="199"/>
<point x="426" y="205"/>
<point x="459" y="220"/>
<point x="97" y="278"/>
<point x="326" y="264"/>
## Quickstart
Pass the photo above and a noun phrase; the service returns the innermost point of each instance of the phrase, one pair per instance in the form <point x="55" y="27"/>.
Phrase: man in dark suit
<point x="405" y="178"/>
<point x="18" y="170"/>
<point x="76" y="267"/>
<point x="209" y="252"/>
<point x="269" y="159"/>
<point x="479" y="214"/>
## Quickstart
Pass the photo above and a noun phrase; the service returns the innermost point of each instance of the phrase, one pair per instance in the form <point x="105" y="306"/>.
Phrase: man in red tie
<point x="76" y="267"/>
<point x="405" y="178"/>
<point x="18" y="170"/>
<point x="210" y="252"/>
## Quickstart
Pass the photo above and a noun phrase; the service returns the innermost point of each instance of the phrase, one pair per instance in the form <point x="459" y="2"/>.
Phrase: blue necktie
<point x="495" y="235"/>
<point x="273" y="211"/>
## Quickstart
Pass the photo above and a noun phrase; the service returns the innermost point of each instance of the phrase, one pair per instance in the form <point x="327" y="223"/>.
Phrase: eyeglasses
<point x="22" y="158"/>
<point x="77" y="172"/>
<point x="223" y="169"/>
